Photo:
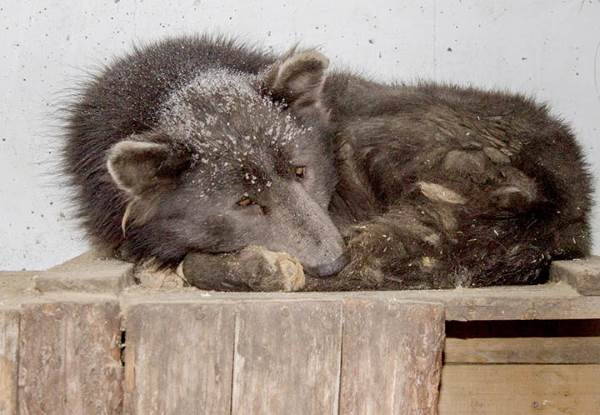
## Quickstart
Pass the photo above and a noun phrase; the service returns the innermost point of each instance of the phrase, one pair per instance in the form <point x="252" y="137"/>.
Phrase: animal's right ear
<point x="144" y="167"/>
<point x="297" y="81"/>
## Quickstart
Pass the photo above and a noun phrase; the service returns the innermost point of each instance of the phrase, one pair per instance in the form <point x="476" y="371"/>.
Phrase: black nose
<point x="325" y="270"/>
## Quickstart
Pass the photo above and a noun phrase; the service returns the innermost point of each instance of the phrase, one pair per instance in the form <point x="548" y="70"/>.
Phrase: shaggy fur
<point x="195" y="144"/>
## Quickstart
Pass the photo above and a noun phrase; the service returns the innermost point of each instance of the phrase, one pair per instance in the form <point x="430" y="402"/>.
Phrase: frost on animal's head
<point x="236" y="159"/>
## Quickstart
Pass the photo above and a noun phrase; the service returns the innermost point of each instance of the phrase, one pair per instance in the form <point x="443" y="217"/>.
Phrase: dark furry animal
<point x="201" y="144"/>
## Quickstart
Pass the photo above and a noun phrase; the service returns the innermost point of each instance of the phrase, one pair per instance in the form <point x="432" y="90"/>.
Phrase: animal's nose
<point x="325" y="270"/>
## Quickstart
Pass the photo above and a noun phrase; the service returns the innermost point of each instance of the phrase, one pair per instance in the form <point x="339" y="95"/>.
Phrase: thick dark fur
<point x="437" y="185"/>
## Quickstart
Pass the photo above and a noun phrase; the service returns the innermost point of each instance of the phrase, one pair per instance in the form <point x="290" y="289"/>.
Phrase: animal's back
<point x="122" y="100"/>
<point x="479" y="187"/>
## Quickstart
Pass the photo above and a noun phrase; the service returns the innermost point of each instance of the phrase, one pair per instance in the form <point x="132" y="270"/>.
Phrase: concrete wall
<point x="548" y="48"/>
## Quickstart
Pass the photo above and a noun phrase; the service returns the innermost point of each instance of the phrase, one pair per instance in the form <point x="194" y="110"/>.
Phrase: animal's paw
<point x="266" y="270"/>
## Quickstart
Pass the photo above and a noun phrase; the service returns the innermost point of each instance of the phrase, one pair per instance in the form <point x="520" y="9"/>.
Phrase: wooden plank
<point x="553" y="301"/>
<point x="69" y="358"/>
<point x="87" y="274"/>
<point x="9" y="340"/>
<point x="541" y="350"/>
<point x="14" y="283"/>
<point x="582" y="274"/>
<point x="520" y="389"/>
<point x="178" y="358"/>
<point x="391" y="357"/>
<point x="287" y="358"/>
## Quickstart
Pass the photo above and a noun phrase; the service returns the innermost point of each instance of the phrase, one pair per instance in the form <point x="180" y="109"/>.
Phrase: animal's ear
<point x="143" y="167"/>
<point x="297" y="80"/>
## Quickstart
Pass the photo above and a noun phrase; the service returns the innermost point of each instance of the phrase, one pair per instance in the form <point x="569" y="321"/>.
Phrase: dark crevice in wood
<point x="122" y="346"/>
<point x="522" y="328"/>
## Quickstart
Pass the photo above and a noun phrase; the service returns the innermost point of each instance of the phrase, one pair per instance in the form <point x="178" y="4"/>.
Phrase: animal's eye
<point x="300" y="171"/>
<point x="245" y="201"/>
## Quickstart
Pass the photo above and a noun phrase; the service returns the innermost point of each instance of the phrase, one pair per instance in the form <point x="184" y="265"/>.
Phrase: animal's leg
<point x="404" y="247"/>
<point x="252" y="269"/>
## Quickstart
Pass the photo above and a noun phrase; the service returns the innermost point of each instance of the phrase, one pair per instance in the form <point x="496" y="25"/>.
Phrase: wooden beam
<point x="553" y="301"/>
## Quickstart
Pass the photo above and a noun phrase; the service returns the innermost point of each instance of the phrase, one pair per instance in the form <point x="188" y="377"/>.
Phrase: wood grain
<point x="520" y="389"/>
<point x="541" y="350"/>
<point x="9" y="341"/>
<point x="178" y="358"/>
<point x="69" y="360"/>
<point x="581" y="274"/>
<point x="287" y="358"/>
<point x="391" y="359"/>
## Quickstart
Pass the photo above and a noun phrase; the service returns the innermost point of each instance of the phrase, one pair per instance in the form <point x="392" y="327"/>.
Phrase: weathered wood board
<point x="534" y="350"/>
<point x="554" y="301"/>
<point x="179" y="359"/>
<point x="292" y="357"/>
<point x="581" y="274"/>
<point x="287" y="358"/>
<point x="9" y="341"/>
<point x="88" y="273"/>
<point x="69" y="357"/>
<point x="520" y="389"/>
<point x="391" y="359"/>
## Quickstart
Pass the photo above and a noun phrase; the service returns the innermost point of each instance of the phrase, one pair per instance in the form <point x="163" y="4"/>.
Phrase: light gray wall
<point x="549" y="48"/>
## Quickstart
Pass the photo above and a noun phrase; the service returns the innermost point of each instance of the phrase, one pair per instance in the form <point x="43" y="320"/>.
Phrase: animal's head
<point x="235" y="160"/>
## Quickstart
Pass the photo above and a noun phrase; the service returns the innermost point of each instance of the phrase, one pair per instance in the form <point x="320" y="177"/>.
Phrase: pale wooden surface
<point x="14" y="283"/>
<point x="287" y="358"/>
<point x="69" y="359"/>
<point x="391" y="359"/>
<point x="547" y="350"/>
<point x="9" y="340"/>
<point x="553" y="301"/>
<point x="582" y="275"/>
<point x="89" y="273"/>
<point x="178" y="359"/>
<point x="520" y="390"/>
<point x="70" y="366"/>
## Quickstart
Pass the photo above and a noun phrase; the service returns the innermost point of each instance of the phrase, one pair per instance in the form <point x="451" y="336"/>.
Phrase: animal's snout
<point x="329" y="268"/>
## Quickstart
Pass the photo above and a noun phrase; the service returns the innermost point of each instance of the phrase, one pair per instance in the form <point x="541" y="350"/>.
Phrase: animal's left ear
<point x="297" y="81"/>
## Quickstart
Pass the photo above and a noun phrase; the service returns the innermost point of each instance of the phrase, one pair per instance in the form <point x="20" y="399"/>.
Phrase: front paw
<point x="266" y="270"/>
<point x="252" y="269"/>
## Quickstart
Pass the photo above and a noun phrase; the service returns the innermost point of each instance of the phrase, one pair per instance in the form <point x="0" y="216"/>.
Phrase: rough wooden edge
<point x="17" y="282"/>
<point x="90" y="272"/>
<point x="581" y="274"/>
<point x="555" y="301"/>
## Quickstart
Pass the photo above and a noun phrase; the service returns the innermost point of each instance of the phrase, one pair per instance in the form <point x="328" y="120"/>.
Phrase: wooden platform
<point x="82" y="339"/>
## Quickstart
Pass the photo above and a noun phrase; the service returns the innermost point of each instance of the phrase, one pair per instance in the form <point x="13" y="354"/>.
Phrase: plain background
<point x="547" y="48"/>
